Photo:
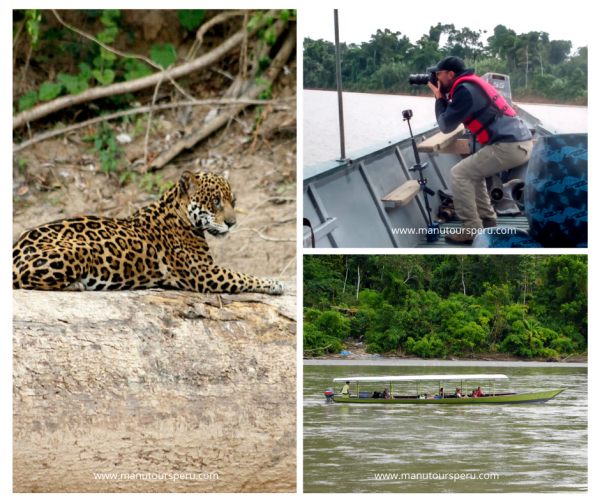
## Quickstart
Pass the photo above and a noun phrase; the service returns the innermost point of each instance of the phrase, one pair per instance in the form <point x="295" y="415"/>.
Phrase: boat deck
<point x="519" y="222"/>
<point x="369" y="201"/>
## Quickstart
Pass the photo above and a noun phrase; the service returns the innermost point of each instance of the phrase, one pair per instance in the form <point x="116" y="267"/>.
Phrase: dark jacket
<point x="469" y="98"/>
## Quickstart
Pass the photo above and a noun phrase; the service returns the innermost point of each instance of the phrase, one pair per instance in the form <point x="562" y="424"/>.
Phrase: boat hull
<point x="531" y="397"/>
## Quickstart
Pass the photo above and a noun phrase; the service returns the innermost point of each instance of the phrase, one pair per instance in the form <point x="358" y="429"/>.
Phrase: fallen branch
<point x="203" y="61"/>
<point x="122" y="382"/>
<point x="122" y="54"/>
<point x="221" y="120"/>
<point x="144" y="109"/>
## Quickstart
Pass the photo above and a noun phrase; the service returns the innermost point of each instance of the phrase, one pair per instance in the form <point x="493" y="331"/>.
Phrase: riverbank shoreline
<point x="439" y="362"/>
<point x="526" y="100"/>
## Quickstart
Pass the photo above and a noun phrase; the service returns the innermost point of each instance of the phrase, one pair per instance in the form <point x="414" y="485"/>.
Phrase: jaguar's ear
<point x="188" y="182"/>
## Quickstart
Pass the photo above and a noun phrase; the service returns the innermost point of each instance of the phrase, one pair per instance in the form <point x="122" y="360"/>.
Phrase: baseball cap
<point x="450" y="63"/>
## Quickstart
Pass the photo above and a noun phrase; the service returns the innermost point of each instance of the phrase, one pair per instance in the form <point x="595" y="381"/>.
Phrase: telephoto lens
<point x="423" y="79"/>
<point x="420" y="79"/>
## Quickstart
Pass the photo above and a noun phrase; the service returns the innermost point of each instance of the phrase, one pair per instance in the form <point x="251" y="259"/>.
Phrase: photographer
<point x="462" y="97"/>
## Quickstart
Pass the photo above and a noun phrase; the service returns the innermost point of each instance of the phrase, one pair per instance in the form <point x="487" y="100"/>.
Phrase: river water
<point x="531" y="447"/>
<point x="372" y="118"/>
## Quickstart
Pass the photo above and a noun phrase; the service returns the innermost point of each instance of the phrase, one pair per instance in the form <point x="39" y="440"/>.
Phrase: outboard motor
<point x="507" y="198"/>
<point x="501" y="83"/>
<point x="329" y="395"/>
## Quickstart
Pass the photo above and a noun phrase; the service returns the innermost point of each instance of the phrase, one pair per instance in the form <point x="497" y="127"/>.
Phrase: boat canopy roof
<point x="420" y="378"/>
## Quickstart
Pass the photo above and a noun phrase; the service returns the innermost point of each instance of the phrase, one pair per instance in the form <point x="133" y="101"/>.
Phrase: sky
<point x="357" y="24"/>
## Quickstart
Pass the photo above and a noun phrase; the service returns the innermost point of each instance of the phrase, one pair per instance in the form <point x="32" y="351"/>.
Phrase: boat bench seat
<point x="440" y="140"/>
<point x="402" y="195"/>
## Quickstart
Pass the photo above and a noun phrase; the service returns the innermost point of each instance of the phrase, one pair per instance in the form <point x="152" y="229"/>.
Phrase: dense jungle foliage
<point x="537" y="66"/>
<point x="434" y="306"/>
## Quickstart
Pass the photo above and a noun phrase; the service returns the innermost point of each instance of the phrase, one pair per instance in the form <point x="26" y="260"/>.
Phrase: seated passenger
<point x="385" y="394"/>
<point x="346" y="390"/>
<point x="477" y="393"/>
<point x="458" y="393"/>
<point x="442" y="392"/>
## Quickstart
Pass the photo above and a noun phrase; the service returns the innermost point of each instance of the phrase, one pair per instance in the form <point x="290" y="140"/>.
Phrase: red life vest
<point x="497" y="101"/>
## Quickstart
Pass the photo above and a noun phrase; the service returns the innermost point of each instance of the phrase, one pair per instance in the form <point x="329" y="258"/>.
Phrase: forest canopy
<point x="434" y="306"/>
<point x="538" y="67"/>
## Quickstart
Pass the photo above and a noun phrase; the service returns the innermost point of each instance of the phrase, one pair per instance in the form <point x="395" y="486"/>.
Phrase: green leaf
<point x="191" y="19"/>
<point x="74" y="85"/>
<point x="254" y="21"/>
<point x="99" y="62"/>
<point x="271" y="37"/>
<point x="284" y="15"/>
<point x="32" y="24"/>
<point x="27" y="100"/>
<point x="265" y="94"/>
<point x="85" y="72"/>
<point x="264" y="62"/>
<point x="108" y="35"/>
<point x="49" y="90"/>
<point x="105" y="78"/>
<point x="136" y="69"/>
<point x="109" y="17"/>
<point x="165" y="56"/>
<point x="107" y="55"/>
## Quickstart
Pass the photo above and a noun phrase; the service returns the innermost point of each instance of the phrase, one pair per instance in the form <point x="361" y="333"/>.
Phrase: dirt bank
<point x="360" y="354"/>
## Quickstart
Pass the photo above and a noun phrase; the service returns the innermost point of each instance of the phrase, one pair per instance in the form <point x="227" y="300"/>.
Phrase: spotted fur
<point x="161" y="245"/>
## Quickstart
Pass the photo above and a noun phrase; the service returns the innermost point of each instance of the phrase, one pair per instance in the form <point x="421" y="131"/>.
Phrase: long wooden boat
<point x="421" y="397"/>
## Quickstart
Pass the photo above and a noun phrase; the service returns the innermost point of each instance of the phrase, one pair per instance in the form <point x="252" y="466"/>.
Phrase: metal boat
<point x="440" y="397"/>
<point x="375" y="197"/>
<point x="348" y="202"/>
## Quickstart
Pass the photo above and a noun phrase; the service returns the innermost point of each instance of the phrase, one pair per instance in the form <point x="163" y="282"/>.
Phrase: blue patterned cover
<point x="555" y="194"/>
<point x="497" y="238"/>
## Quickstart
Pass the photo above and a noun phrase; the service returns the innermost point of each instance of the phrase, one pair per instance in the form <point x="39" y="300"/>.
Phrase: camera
<point x="407" y="114"/>
<point x="423" y="78"/>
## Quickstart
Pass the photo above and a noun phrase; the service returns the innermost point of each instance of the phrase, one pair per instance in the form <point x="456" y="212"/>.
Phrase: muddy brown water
<point x="372" y="118"/>
<point x="507" y="448"/>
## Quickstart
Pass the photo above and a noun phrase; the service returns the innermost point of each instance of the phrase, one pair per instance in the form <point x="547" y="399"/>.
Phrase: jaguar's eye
<point x="233" y="201"/>
<point x="216" y="203"/>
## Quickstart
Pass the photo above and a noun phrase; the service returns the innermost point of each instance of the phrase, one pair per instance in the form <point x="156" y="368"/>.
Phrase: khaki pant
<point x="471" y="199"/>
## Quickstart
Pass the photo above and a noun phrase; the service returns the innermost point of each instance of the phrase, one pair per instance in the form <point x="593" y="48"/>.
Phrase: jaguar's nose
<point x="229" y="223"/>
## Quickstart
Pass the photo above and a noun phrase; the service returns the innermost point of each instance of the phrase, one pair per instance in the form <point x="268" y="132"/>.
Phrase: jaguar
<point x="163" y="245"/>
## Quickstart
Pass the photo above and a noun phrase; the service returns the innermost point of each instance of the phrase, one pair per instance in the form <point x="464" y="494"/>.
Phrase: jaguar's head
<point x="210" y="203"/>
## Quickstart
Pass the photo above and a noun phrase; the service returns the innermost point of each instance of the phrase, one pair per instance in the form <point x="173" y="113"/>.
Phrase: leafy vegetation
<point x="537" y="66"/>
<point x="191" y="19"/>
<point x="441" y="305"/>
<point x="100" y="65"/>
<point x="105" y="144"/>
